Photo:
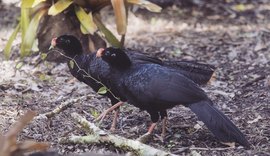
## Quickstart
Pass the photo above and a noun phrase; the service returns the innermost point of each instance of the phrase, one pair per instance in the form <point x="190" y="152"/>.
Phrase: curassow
<point x="156" y="88"/>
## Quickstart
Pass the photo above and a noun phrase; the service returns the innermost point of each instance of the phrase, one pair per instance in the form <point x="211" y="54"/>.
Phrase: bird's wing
<point x="159" y="85"/>
<point x="197" y="72"/>
<point x="137" y="57"/>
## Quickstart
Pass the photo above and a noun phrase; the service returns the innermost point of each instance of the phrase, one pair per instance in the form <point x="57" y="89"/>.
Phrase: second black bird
<point x="156" y="88"/>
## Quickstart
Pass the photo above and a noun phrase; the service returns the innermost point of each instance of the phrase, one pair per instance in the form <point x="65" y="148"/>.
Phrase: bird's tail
<point x="218" y="123"/>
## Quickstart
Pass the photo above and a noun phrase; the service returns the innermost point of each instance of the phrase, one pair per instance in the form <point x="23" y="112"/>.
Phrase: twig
<point x="253" y="81"/>
<point x="63" y="106"/>
<point x="98" y="136"/>
<point x="211" y="149"/>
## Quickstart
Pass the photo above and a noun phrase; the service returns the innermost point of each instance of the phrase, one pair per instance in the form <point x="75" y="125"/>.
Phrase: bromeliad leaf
<point x="7" y="49"/>
<point x="36" y="2"/>
<point x="27" y="3"/>
<point x="120" y="16"/>
<point x="86" y="20"/>
<point x="148" y="5"/>
<point x="25" y="18"/>
<point x="30" y="35"/>
<point x="59" y="6"/>
<point x="71" y="64"/>
<point x="102" y="90"/>
<point x="83" y="30"/>
<point x="107" y="33"/>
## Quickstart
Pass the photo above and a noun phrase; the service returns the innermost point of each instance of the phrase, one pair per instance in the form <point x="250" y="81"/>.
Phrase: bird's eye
<point x="113" y="55"/>
<point x="67" y="41"/>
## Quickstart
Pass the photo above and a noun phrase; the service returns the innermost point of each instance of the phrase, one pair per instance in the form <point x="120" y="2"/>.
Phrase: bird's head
<point x="70" y="45"/>
<point x="114" y="56"/>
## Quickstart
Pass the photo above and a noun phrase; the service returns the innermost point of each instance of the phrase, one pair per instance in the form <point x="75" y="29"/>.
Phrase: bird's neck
<point x="121" y="64"/>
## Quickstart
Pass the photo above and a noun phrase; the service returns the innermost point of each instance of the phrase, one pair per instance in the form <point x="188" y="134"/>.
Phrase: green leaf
<point x="25" y="18"/>
<point x="94" y="113"/>
<point x="7" y="49"/>
<point x="43" y="56"/>
<point x="37" y="2"/>
<point x="148" y="5"/>
<point x="239" y="7"/>
<point x="86" y="20"/>
<point x="19" y="65"/>
<point x="43" y="77"/>
<point x="31" y="32"/>
<point x="59" y="6"/>
<point x="102" y="90"/>
<point x="83" y="30"/>
<point x="107" y="33"/>
<point x="27" y="3"/>
<point x="71" y="64"/>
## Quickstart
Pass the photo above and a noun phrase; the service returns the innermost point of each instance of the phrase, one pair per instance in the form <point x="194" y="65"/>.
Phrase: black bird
<point x="96" y="73"/>
<point x="155" y="88"/>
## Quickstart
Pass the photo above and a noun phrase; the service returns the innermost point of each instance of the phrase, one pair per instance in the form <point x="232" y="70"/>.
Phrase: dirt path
<point x="239" y="47"/>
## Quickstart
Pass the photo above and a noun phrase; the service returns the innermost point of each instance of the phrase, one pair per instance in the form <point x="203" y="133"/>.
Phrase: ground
<point x="237" y="44"/>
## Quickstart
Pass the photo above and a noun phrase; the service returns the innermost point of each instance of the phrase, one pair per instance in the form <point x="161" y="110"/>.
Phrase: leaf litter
<point x="238" y="47"/>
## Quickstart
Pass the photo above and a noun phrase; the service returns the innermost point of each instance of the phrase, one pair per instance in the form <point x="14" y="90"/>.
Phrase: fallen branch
<point x="98" y="136"/>
<point x="63" y="106"/>
<point x="211" y="149"/>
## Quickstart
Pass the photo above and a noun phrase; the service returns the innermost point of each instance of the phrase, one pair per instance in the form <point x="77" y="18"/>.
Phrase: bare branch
<point x="101" y="137"/>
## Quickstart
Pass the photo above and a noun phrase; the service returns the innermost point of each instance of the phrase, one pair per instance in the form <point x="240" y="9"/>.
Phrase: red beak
<point x="100" y="52"/>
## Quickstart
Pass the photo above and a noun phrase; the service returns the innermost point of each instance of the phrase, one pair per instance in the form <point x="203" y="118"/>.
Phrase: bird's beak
<point x="100" y="52"/>
<point x="51" y="47"/>
<point x="53" y="43"/>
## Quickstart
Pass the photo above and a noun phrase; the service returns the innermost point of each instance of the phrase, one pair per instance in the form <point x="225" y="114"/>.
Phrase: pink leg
<point x="102" y="115"/>
<point x="116" y="114"/>
<point x="144" y="138"/>
<point x="151" y="128"/>
<point x="164" y="122"/>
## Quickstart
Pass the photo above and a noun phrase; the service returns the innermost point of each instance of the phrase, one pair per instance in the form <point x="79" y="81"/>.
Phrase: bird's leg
<point x="154" y="118"/>
<point x="164" y="122"/>
<point x="102" y="115"/>
<point x="144" y="138"/>
<point x="164" y="118"/>
<point x="151" y="128"/>
<point x="116" y="114"/>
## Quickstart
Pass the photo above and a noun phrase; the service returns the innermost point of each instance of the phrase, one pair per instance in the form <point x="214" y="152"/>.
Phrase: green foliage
<point x="71" y="64"/>
<point x="107" y="33"/>
<point x="102" y="90"/>
<point x="19" y="65"/>
<point x="33" y="10"/>
<point x="86" y="20"/>
<point x="59" y="6"/>
<point x="43" y="56"/>
<point x="7" y="49"/>
<point x="94" y="113"/>
<point x="30" y="33"/>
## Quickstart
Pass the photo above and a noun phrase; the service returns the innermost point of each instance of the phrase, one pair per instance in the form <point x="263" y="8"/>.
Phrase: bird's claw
<point x="144" y="138"/>
<point x="161" y="138"/>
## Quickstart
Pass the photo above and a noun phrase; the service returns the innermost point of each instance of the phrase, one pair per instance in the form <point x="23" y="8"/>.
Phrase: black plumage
<point x="155" y="88"/>
<point x="88" y="65"/>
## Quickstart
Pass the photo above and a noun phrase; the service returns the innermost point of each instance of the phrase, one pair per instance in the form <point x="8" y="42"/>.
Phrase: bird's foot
<point x="101" y="117"/>
<point x="160" y="137"/>
<point x="145" y="138"/>
<point x="112" y="129"/>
